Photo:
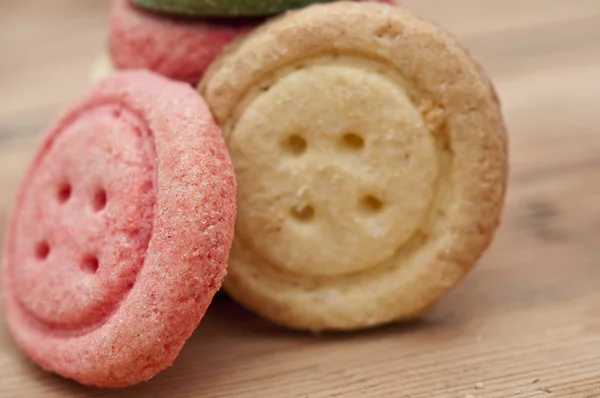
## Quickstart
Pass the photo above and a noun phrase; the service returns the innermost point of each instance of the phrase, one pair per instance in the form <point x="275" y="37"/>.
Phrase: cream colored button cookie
<point x="371" y="161"/>
<point x="101" y="67"/>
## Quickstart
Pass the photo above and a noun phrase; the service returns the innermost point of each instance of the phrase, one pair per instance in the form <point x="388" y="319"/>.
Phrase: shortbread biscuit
<point x="120" y="232"/>
<point x="178" y="48"/>
<point x="229" y="8"/>
<point x="102" y="67"/>
<point x="225" y="8"/>
<point x="371" y="160"/>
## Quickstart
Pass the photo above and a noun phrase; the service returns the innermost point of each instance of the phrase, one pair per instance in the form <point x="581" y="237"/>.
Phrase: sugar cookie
<point x="371" y="159"/>
<point x="120" y="232"/>
<point x="225" y="8"/>
<point x="229" y="8"/>
<point x="101" y="68"/>
<point x="177" y="48"/>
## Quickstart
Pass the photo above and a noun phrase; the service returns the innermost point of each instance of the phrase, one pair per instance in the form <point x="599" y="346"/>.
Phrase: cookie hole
<point x="99" y="200"/>
<point x="90" y="264"/>
<point x="42" y="250"/>
<point x="353" y="142"/>
<point x="371" y="204"/>
<point x="64" y="192"/>
<point x="296" y="145"/>
<point x="303" y="213"/>
<point x="445" y="143"/>
<point x="265" y="88"/>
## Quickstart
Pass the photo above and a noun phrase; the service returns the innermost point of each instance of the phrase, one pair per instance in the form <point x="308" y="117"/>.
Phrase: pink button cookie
<point x="177" y="47"/>
<point x="120" y="232"/>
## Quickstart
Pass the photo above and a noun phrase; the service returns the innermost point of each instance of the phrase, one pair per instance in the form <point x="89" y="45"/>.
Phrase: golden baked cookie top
<point x="371" y="160"/>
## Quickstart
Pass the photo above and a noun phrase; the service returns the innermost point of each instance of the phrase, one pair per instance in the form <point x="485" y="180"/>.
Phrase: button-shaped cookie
<point x="371" y="160"/>
<point x="178" y="48"/>
<point x="229" y="8"/>
<point x="225" y="8"/>
<point x="120" y="232"/>
<point x="101" y="67"/>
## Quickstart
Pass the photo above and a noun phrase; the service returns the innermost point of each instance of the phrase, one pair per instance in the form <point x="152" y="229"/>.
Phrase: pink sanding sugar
<point x="120" y="233"/>
<point x="177" y="47"/>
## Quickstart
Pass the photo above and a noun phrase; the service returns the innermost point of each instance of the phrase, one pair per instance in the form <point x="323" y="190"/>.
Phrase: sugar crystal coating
<point x="178" y="48"/>
<point x="120" y="232"/>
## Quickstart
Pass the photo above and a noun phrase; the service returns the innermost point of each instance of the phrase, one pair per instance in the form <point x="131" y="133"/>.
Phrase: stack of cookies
<point x="334" y="167"/>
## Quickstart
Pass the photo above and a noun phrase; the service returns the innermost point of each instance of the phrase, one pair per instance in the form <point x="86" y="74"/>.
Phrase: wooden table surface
<point x="525" y="323"/>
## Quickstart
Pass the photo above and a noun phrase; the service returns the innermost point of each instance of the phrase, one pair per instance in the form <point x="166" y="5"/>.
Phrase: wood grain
<point x="525" y="323"/>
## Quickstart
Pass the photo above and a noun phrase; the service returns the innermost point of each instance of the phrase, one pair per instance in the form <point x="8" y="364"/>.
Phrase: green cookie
<point x="225" y="8"/>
